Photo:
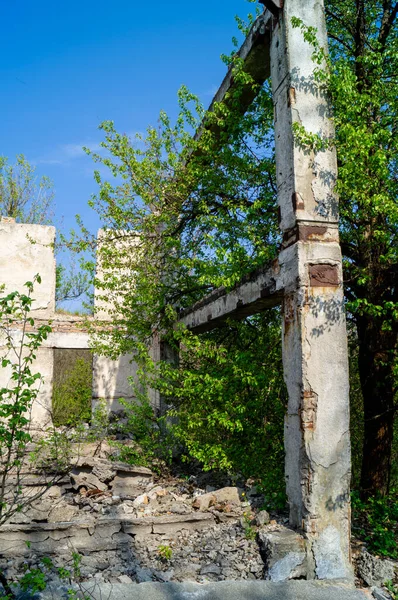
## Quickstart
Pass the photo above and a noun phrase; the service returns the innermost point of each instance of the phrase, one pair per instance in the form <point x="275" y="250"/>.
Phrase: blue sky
<point x="67" y="66"/>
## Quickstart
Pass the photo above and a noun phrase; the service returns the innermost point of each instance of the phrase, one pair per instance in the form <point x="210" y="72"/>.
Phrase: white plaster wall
<point x="67" y="339"/>
<point x="110" y="380"/>
<point x="43" y="364"/>
<point x="26" y="250"/>
<point x="120" y="249"/>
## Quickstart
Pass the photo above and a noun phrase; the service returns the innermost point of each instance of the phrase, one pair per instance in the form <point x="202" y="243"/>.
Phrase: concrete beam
<point x="257" y="292"/>
<point x="255" y="53"/>
<point x="273" y="6"/>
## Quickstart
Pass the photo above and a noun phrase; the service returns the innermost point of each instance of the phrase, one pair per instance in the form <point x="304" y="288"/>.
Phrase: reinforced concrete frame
<point x="306" y="279"/>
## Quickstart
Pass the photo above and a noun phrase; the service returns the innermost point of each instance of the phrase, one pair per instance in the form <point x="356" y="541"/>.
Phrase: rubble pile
<point x="129" y="525"/>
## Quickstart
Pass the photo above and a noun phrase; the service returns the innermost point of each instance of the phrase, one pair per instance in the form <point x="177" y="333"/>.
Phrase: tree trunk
<point x="375" y="362"/>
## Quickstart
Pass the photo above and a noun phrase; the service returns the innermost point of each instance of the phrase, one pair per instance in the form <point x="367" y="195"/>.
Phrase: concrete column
<point x="111" y="376"/>
<point x="314" y="331"/>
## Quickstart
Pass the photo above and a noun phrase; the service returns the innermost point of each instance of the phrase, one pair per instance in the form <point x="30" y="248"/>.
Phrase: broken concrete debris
<point x="284" y="554"/>
<point x="119" y="538"/>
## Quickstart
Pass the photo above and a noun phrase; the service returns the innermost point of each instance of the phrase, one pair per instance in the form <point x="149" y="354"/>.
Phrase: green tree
<point x="72" y="393"/>
<point x="177" y="229"/>
<point x="186" y="214"/>
<point x="363" y="40"/>
<point x="71" y="283"/>
<point x="22" y="195"/>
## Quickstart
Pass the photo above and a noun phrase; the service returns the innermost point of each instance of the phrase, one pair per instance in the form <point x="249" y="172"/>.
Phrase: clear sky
<point x="66" y="66"/>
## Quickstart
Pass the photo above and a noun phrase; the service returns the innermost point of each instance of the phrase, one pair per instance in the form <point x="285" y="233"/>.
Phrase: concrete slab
<point x="227" y="590"/>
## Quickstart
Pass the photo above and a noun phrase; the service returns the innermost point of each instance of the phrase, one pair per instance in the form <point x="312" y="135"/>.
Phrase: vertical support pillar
<point x="314" y="330"/>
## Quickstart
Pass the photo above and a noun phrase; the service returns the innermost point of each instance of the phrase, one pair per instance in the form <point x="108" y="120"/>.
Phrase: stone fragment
<point x="175" y="523"/>
<point x="125" y="579"/>
<point x="227" y="495"/>
<point x="204" y="501"/>
<point x="284" y="554"/>
<point x="104" y="470"/>
<point x="179" y="508"/>
<point x="142" y="472"/>
<point x="224" y="517"/>
<point x="142" y="499"/>
<point x="127" y="485"/>
<point x="375" y="571"/>
<point x="157" y="491"/>
<point x="262" y="518"/>
<point x="92" y="449"/>
<point x="63" y="512"/>
<point x="380" y="594"/>
<point x="55" y="491"/>
<point x="330" y="563"/>
<point x="88" y="481"/>
<point x="164" y="575"/>
<point x="143" y="575"/>
<point x="211" y="569"/>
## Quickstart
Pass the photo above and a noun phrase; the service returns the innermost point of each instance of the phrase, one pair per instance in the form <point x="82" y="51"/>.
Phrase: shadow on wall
<point x="111" y="380"/>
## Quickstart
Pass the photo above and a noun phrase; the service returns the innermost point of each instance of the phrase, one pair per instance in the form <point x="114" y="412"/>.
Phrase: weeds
<point x="375" y="521"/>
<point x="165" y="552"/>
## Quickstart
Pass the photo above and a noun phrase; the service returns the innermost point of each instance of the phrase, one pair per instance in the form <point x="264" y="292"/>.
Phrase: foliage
<point x="21" y="339"/>
<point x="165" y="552"/>
<point x="183" y="216"/>
<point x="99" y="426"/>
<point x="221" y="412"/>
<point x="36" y="580"/>
<point x="360" y="76"/>
<point x="393" y="589"/>
<point x="376" y="522"/>
<point x="250" y="531"/>
<point x="186" y="214"/>
<point x="20" y="343"/>
<point x="152" y="439"/>
<point x="22" y="195"/>
<point x="70" y="283"/>
<point x="72" y="395"/>
<point x="228" y="398"/>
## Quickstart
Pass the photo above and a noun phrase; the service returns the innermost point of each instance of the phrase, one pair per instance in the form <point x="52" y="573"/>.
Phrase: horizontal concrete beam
<point x="255" y="53"/>
<point x="257" y="292"/>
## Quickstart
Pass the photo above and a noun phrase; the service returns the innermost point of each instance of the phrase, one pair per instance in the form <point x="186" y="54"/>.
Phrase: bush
<point x="226" y="400"/>
<point x="72" y="395"/>
<point x="152" y="441"/>
<point x="375" y="521"/>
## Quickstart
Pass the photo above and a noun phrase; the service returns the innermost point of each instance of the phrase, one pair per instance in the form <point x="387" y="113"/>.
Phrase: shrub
<point x="72" y="394"/>
<point x="376" y="522"/>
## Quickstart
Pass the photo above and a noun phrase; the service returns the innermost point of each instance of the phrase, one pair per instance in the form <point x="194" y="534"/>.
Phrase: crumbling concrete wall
<point x="26" y="250"/>
<point x="111" y="377"/>
<point x="111" y="381"/>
